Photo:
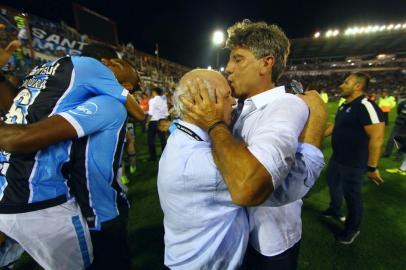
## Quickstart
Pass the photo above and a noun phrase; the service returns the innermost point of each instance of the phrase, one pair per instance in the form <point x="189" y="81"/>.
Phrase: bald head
<point x="212" y="79"/>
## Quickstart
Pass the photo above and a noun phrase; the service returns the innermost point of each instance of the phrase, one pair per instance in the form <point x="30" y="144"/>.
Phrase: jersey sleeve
<point x="95" y="115"/>
<point x="98" y="79"/>
<point x="370" y="113"/>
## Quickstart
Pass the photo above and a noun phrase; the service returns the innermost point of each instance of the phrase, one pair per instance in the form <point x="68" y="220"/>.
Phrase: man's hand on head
<point x="313" y="132"/>
<point x="5" y="53"/>
<point x="201" y="109"/>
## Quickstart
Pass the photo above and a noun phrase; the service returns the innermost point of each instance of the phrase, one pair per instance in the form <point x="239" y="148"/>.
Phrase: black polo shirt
<point x="350" y="141"/>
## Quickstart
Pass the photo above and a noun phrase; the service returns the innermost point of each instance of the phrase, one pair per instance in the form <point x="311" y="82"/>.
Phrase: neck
<point x="353" y="96"/>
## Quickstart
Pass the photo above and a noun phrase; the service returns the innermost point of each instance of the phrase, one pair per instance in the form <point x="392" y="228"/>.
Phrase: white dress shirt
<point x="270" y="124"/>
<point x="158" y="108"/>
<point x="203" y="228"/>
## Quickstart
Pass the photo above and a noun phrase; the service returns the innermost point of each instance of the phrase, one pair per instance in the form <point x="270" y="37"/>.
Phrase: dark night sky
<point x="183" y="29"/>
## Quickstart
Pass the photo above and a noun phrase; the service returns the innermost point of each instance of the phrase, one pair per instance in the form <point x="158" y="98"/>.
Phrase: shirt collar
<point x="261" y="99"/>
<point x="200" y="132"/>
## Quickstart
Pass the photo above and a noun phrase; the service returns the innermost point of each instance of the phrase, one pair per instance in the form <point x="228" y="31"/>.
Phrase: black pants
<point x="152" y="131"/>
<point x="386" y="118"/>
<point x="110" y="247"/>
<point x="347" y="181"/>
<point x="288" y="260"/>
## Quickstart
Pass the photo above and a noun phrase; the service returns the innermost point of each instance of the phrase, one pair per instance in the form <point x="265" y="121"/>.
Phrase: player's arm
<point x="376" y="133"/>
<point x="30" y="138"/>
<point x="133" y="108"/>
<point x="96" y="114"/>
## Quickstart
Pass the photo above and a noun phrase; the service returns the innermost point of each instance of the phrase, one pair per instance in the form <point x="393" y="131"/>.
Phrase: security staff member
<point x="158" y="110"/>
<point x="357" y="138"/>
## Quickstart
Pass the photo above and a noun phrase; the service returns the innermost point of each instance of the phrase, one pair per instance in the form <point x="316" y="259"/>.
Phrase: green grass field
<point x="381" y="244"/>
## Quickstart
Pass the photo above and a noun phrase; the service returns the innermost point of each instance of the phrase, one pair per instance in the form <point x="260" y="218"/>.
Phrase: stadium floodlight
<point x="383" y="27"/>
<point x="218" y="40"/>
<point x="329" y="33"/>
<point x="398" y="26"/>
<point x="370" y="64"/>
<point x="317" y="35"/>
<point x="368" y="29"/>
<point x="336" y="32"/>
<point x="352" y="64"/>
<point x="349" y="60"/>
<point x="222" y="69"/>
<point x="404" y="26"/>
<point x="209" y="67"/>
<point x="375" y="28"/>
<point x="218" y="37"/>
<point x="348" y="31"/>
<point x="390" y="27"/>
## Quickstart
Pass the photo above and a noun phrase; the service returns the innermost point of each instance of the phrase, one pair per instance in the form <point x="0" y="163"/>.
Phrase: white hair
<point x="183" y="91"/>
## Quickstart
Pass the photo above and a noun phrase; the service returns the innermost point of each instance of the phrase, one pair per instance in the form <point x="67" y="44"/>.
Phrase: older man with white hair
<point x="205" y="228"/>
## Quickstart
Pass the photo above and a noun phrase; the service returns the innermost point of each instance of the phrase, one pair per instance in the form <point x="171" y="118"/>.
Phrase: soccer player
<point x="33" y="182"/>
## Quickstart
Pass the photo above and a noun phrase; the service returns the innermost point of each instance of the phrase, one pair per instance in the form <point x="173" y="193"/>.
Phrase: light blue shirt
<point x="203" y="228"/>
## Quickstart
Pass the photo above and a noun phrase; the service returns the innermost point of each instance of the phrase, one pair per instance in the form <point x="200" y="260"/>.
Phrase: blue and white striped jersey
<point x="38" y="180"/>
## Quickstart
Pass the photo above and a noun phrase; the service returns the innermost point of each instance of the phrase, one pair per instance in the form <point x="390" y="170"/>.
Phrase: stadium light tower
<point x="218" y="40"/>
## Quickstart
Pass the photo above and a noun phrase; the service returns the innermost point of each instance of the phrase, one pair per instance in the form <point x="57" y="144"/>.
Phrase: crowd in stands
<point x="393" y="82"/>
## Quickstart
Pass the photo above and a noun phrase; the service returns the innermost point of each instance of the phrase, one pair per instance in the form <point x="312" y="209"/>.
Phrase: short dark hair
<point x="99" y="51"/>
<point x="158" y="90"/>
<point x="261" y="39"/>
<point x="364" y="78"/>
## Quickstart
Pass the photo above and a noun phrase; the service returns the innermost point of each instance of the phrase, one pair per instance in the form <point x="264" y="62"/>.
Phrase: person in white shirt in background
<point x="158" y="110"/>
<point x="258" y="154"/>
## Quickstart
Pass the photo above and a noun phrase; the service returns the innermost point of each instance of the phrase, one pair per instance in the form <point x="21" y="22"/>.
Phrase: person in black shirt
<point x="357" y="139"/>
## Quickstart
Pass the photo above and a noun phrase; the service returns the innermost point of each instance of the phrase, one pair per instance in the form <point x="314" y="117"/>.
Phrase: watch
<point x="371" y="169"/>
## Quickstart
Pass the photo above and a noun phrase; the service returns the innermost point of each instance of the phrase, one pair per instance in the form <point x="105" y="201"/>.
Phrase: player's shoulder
<point x="88" y="63"/>
<point x="366" y="104"/>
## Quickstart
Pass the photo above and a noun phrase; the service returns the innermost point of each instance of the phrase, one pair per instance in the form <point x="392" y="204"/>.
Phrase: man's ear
<point x="106" y="62"/>
<point x="127" y="85"/>
<point x="267" y="64"/>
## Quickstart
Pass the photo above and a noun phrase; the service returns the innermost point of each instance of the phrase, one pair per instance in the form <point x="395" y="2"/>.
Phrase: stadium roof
<point x="341" y="47"/>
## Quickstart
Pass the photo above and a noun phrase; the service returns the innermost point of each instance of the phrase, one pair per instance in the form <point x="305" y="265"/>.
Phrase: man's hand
<point x="5" y="53"/>
<point x="201" y="109"/>
<point x="375" y="177"/>
<point x="313" y="132"/>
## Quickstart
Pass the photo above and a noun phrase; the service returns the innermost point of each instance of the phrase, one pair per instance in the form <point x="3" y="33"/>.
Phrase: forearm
<point x="248" y="181"/>
<point x="374" y="151"/>
<point x="30" y="138"/>
<point x="329" y="130"/>
<point x="134" y="109"/>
